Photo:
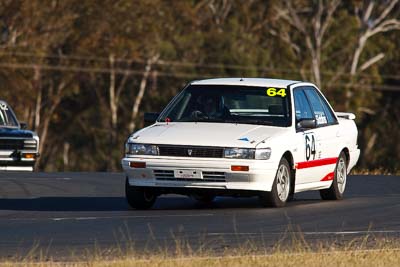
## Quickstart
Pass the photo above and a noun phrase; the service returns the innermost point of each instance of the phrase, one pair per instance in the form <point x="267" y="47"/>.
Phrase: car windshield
<point x="7" y="118"/>
<point x="230" y="104"/>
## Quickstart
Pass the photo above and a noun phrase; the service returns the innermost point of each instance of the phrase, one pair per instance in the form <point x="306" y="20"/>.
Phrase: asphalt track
<point x="65" y="213"/>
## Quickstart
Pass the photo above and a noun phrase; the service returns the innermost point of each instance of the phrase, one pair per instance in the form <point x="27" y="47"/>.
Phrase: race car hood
<point x="7" y="132"/>
<point x="206" y="134"/>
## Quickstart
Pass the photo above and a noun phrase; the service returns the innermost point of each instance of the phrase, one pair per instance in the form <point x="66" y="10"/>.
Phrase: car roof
<point x="246" y="82"/>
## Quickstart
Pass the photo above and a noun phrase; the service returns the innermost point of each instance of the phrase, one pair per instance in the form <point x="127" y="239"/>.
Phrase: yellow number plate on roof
<point x="271" y="91"/>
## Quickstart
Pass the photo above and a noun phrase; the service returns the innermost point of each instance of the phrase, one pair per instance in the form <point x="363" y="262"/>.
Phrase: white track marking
<point x="316" y="233"/>
<point x="104" y="217"/>
<point x="353" y="232"/>
<point x="128" y="217"/>
<point x="47" y="178"/>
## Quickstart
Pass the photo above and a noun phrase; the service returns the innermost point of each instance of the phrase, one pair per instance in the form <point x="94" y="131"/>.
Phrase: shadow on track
<point x="65" y="204"/>
<point x="120" y="204"/>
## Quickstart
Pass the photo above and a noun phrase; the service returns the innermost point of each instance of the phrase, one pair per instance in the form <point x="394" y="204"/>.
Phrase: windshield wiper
<point x="261" y="122"/>
<point x="202" y="120"/>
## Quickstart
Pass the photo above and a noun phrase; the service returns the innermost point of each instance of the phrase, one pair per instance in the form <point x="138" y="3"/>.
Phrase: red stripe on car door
<point x="316" y="163"/>
<point x="328" y="177"/>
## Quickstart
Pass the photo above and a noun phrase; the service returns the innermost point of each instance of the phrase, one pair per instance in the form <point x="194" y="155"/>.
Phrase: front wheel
<point x="336" y="191"/>
<point x="280" y="189"/>
<point x="138" y="197"/>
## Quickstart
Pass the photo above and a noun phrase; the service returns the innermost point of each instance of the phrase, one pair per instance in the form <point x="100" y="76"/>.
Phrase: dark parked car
<point x="19" y="148"/>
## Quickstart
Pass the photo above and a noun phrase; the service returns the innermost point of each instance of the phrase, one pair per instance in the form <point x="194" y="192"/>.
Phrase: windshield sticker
<point x="3" y="107"/>
<point x="244" y="139"/>
<point x="276" y="92"/>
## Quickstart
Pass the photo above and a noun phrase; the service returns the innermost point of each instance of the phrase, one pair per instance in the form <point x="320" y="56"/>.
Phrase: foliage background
<point x="82" y="73"/>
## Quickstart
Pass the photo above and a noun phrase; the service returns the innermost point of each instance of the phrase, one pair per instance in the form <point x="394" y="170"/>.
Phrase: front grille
<point x="11" y="144"/>
<point x="214" y="176"/>
<point x="163" y="173"/>
<point x="191" y="151"/>
<point x="168" y="175"/>
<point x="18" y="144"/>
<point x="30" y="144"/>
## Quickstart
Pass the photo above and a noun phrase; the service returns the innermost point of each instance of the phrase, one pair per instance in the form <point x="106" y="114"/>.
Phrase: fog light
<point x="29" y="156"/>
<point x="238" y="168"/>
<point x="133" y="164"/>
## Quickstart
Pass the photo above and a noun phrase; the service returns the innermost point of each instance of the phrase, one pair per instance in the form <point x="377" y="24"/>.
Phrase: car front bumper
<point x="15" y="161"/>
<point x="216" y="173"/>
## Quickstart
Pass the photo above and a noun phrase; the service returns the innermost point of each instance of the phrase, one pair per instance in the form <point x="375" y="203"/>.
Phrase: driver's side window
<point x="302" y="106"/>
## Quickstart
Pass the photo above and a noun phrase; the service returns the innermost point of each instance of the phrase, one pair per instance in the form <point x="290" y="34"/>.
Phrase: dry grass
<point x="357" y="171"/>
<point x="340" y="258"/>
<point x="366" y="251"/>
<point x="378" y="257"/>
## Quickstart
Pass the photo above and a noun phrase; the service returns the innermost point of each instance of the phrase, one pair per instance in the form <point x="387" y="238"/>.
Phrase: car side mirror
<point x="307" y="124"/>
<point x="150" y="118"/>
<point x="23" y="125"/>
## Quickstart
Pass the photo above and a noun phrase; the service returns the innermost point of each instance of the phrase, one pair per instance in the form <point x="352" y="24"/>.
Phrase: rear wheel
<point x="280" y="189"/>
<point x="139" y="197"/>
<point x="336" y="191"/>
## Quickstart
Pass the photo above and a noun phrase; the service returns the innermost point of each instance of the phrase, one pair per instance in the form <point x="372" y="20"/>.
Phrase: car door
<point x="328" y="131"/>
<point x="308" y="148"/>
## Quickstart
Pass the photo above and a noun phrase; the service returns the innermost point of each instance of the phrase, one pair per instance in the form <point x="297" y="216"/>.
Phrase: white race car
<point x="242" y="137"/>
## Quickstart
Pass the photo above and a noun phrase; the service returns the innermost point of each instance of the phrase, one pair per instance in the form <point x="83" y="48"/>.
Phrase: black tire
<point x="336" y="191"/>
<point x="272" y="199"/>
<point x="292" y="183"/>
<point x="138" y="197"/>
<point x="204" y="198"/>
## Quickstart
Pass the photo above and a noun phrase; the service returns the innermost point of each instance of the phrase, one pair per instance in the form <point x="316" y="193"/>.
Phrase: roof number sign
<point x="276" y="92"/>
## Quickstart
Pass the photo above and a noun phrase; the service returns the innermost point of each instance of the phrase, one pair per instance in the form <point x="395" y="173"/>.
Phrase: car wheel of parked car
<point x="335" y="192"/>
<point x="280" y="188"/>
<point x="138" y="197"/>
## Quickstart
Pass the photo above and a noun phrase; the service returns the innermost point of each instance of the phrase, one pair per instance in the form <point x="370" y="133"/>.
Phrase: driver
<point x="210" y="105"/>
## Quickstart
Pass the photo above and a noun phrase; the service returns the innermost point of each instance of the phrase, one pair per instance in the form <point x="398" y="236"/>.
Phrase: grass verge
<point x="365" y="251"/>
<point x="376" y="257"/>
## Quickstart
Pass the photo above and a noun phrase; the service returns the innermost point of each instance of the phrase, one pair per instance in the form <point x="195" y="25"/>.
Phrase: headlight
<point x="247" y="153"/>
<point x="140" y="149"/>
<point x="263" y="153"/>
<point x="239" y="153"/>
